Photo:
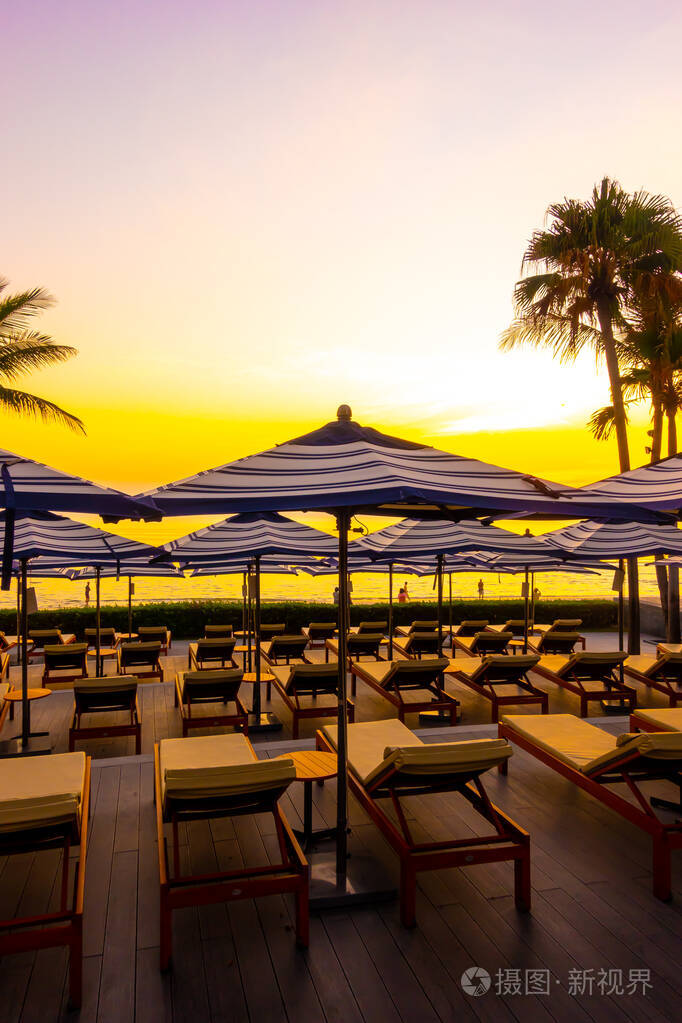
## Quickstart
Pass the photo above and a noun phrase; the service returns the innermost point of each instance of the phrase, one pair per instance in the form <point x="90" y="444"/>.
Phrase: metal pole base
<point x="39" y="744"/>
<point x="364" y="883"/>
<point x="309" y="841"/>
<point x="264" y="722"/>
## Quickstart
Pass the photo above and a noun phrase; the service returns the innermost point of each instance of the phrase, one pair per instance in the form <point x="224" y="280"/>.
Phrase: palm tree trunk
<point x="613" y="369"/>
<point x="656" y="444"/>
<point x="672" y="432"/>
<point x="673" y="624"/>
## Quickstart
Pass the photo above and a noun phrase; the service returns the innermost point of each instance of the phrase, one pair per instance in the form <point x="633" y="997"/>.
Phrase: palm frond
<point x="23" y="403"/>
<point x="602" y="423"/>
<point x="28" y="351"/>
<point x="16" y="310"/>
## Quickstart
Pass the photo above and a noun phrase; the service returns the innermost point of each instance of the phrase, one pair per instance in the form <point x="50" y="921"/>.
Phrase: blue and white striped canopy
<point x="32" y="486"/>
<point x="243" y="537"/>
<point x="614" y="539"/>
<point x="656" y="487"/>
<point x="347" y="465"/>
<point x="426" y="539"/>
<point x="130" y="569"/>
<point x="70" y="543"/>
<point x="267" y="567"/>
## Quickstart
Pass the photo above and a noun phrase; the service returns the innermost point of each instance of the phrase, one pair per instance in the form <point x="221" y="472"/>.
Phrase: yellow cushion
<point x="4" y="688"/>
<point x="37" y="791"/>
<point x="652" y="745"/>
<point x="209" y="766"/>
<point x="373" y="746"/>
<point x="669" y="719"/>
<point x="556" y="663"/>
<point x="641" y="663"/>
<point x="670" y="648"/>
<point x="570" y="739"/>
<point x="106" y="684"/>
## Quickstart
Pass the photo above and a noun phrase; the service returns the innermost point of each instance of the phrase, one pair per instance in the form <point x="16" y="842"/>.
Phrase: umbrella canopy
<point x="128" y="569"/>
<point x="656" y="487"/>
<point x="609" y="539"/>
<point x="346" y="465"/>
<point x="29" y="485"/>
<point x="427" y="539"/>
<point x="244" y="537"/>
<point x="69" y="543"/>
<point x="267" y="567"/>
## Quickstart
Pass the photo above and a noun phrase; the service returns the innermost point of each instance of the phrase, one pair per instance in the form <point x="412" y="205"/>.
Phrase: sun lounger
<point x="4" y="665"/>
<point x="301" y="685"/>
<point x="319" y="632"/>
<point x="5" y="687"/>
<point x="483" y="643"/>
<point x="110" y="694"/>
<point x="8" y="643"/>
<point x="44" y="805"/>
<point x="388" y="762"/>
<point x="218" y="631"/>
<point x="485" y="675"/>
<point x="417" y="626"/>
<point x="283" y="649"/>
<point x="219" y="776"/>
<point x="656" y="719"/>
<point x="195" y="689"/>
<point x="211" y="653"/>
<point x="267" y="631"/>
<point x="561" y="625"/>
<point x="395" y="679"/>
<point x="40" y="638"/>
<point x="555" y="641"/>
<point x="471" y="627"/>
<point x="367" y="644"/>
<point x="597" y="761"/>
<point x="64" y="663"/>
<point x="517" y="627"/>
<point x="663" y="673"/>
<point x="140" y="659"/>
<point x="582" y="671"/>
<point x="107" y="638"/>
<point x="155" y="634"/>
<point x="419" y="644"/>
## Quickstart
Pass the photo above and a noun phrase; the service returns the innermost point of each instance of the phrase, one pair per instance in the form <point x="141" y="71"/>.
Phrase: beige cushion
<point x="641" y="663"/>
<point x="554" y="663"/>
<point x="106" y="684"/>
<point x="38" y="791"/>
<point x="670" y="648"/>
<point x="652" y="745"/>
<point x="210" y="766"/>
<point x="570" y="739"/>
<point x="4" y="688"/>
<point x="374" y="746"/>
<point x="668" y="719"/>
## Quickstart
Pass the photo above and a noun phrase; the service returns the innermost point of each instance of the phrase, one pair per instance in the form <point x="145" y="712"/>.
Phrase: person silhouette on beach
<point x="481" y="589"/>
<point x="87" y="594"/>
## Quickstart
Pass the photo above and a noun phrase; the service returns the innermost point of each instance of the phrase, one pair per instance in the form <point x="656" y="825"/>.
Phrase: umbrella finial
<point x="344" y="412"/>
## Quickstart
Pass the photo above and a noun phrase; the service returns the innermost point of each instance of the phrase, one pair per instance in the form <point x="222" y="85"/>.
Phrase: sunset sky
<point x="250" y="212"/>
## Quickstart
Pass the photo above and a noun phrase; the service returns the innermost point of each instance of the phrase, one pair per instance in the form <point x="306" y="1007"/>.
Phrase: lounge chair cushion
<point x="668" y="719"/>
<point x="384" y="671"/>
<point x="375" y="746"/>
<point x="473" y="667"/>
<point x="303" y="674"/>
<point x="560" y="665"/>
<point x="197" y="679"/>
<point x="39" y="791"/>
<point x="651" y="666"/>
<point x="106" y="684"/>
<point x="210" y="766"/>
<point x="4" y="688"/>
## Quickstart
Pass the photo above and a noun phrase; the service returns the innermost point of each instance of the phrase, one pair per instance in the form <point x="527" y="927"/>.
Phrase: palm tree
<point x="23" y="349"/>
<point x="580" y="276"/>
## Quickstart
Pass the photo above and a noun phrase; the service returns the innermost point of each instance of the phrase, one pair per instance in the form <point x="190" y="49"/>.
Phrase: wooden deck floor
<point x="593" y="910"/>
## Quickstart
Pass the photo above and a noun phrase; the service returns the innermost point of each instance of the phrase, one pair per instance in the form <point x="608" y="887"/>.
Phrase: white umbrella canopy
<point x="249" y="536"/>
<point x="656" y="488"/>
<point x="609" y="539"/>
<point x="429" y="539"/>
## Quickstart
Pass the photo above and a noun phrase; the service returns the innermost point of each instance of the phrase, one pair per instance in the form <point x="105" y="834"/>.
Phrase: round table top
<point x="312" y="764"/>
<point x="104" y="651"/>
<point x="265" y="676"/>
<point x="33" y="694"/>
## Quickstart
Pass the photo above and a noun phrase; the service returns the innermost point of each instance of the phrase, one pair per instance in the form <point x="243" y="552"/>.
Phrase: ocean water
<point x="367" y="587"/>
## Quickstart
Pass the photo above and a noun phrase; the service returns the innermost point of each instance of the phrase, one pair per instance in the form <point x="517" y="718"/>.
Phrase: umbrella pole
<point x="450" y="606"/>
<point x="19" y="657"/>
<point x="342" y="739"/>
<point x="532" y="600"/>
<point x="390" y="610"/>
<point x="98" y="640"/>
<point x="525" y="613"/>
<point x="621" y="607"/>
<point x="258" y="721"/>
<point x="130" y="607"/>
<point x="248" y="622"/>
<point x="25" y="705"/>
<point x="440" y="605"/>
<point x="243" y="606"/>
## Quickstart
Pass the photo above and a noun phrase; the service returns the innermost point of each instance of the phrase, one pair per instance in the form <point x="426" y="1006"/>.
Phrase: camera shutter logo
<point x="475" y="981"/>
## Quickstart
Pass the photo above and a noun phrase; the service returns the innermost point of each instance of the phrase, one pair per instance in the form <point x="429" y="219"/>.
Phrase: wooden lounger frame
<point x="486" y="687"/>
<point x="299" y="713"/>
<point x="665" y="837"/>
<point x="6" y="707"/>
<point x="95" y="702"/>
<point x="196" y="663"/>
<point x="64" y="926"/>
<point x="661" y="685"/>
<point x="417" y="644"/>
<point x="612" y="690"/>
<point x="487" y="641"/>
<point x="284" y="656"/>
<point x="290" y="875"/>
<point x="508" y="842"/>
<point x="37" y="647"/>
<point x="154" y="636"/>
<point x="367" y="645"/>
<point x="219" y="692"/>
<point x="75" y="673"/>
<point x="441" y="700"/>
<point x="155" y="670"/>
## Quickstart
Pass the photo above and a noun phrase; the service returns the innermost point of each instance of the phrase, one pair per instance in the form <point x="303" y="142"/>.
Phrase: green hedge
<point x="187" y="618"/>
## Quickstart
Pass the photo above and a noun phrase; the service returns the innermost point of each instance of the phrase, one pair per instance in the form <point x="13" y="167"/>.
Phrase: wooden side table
<point x="311" y="765"/>
<point x="38" y="742"/>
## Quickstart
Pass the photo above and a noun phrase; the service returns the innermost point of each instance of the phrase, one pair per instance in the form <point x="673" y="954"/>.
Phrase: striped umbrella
<point x="26" y="485"/>
<point x="344" y="467"/>
<point x="60" y="541"/>
<point x="656" y="487"/>
<point x="609" y="539"/>
<point x="429" y="539"/>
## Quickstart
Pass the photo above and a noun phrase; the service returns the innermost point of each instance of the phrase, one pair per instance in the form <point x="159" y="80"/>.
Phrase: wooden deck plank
<point x="117" y="984"/>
